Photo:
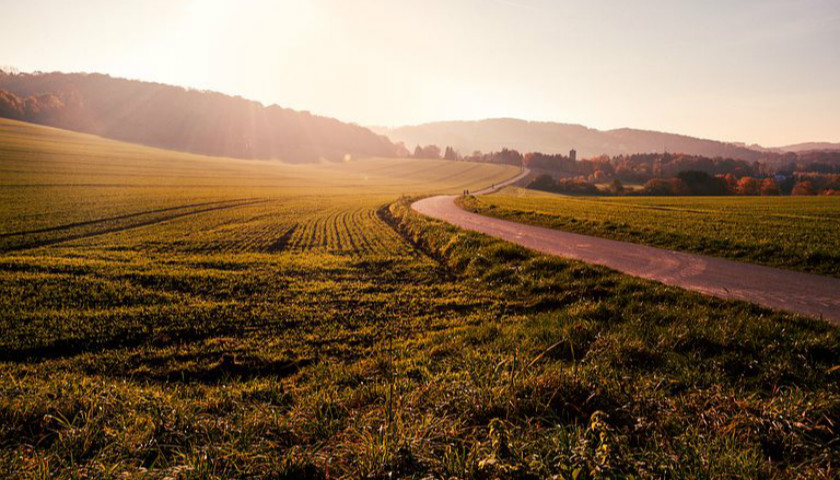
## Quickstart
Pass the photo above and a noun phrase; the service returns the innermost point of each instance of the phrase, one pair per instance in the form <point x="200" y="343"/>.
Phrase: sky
<point x="758" y="71"/>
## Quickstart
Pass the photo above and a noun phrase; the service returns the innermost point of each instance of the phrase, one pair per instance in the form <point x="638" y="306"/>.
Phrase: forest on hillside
<point x="182" y="119"/>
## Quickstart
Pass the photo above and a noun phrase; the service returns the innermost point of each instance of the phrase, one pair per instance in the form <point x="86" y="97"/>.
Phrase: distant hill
<point x="810" y="147"/>
<point x="182" y="119"/>
<point x="550" y="137"/>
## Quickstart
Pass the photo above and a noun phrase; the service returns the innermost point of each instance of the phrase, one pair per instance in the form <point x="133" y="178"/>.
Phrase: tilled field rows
<point x="265" y="226"/>
<point x="350" y="230"/>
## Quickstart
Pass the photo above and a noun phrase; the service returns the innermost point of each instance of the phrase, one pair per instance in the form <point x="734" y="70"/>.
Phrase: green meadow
<point x="796" y="233"/>
<point x="166" y="315"/>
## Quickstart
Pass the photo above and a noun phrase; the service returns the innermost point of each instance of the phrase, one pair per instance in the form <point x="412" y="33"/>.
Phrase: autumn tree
<point x="803" y="188"/>
<point x="598" y="175"/>
<point x="731" y="183"/>
<point x="701" y="183"/>
<point x="450" y="154"/>
<point x="665" y="186"/>
<point x="401" y="150"/>
<point x="748" y="186"/>
<point x="770" y="187"/>
<point x="544" y="182"/>
<point x="431" y="151"/>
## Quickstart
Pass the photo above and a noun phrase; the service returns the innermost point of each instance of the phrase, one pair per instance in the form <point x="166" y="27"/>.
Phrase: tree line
<point x="806" y="173"/>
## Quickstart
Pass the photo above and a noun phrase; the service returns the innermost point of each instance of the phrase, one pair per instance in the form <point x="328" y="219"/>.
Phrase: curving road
<point x="804" y="293"/>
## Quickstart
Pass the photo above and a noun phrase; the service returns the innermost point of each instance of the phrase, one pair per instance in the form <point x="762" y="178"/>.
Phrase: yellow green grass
<point x="797" y="233"/>
<point x="172" y="316"/>
<point x="57" y="185"/>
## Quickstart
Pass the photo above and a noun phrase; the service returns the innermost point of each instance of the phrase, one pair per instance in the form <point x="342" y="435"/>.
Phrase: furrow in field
<point x="119" y="228"/>
<point x="117" y="218"/>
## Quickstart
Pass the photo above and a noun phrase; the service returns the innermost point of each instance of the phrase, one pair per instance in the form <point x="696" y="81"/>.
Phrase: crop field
<point x="796" y="233"/>
<point x="171" y="316"/>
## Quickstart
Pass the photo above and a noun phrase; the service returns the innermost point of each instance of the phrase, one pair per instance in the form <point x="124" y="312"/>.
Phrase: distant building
<point x="573" y="154"/>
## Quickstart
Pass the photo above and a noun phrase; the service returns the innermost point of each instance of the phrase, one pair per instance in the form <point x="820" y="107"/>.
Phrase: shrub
<point x="803" y="188"/>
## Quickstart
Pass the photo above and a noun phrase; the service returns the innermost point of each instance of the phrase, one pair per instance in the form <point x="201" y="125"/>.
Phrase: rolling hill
<point x="550" y="137"/>
<point x="810" y="147"/>
<point x="182" y="119"/>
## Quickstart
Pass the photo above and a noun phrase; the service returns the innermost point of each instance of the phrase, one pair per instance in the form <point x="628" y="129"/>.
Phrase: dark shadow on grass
<point x="231" y="367"/>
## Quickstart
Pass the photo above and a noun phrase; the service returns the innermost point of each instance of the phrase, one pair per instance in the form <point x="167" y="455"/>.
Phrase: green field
<point x="796" y="233"/>
<point x="165" y="315"/>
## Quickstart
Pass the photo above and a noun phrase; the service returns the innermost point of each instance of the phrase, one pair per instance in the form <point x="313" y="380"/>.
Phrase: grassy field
<point x="796" y="233"/>
<point x="172" y="316"/>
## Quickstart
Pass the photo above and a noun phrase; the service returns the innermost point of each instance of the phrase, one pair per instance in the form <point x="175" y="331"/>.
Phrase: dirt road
<point x="804" y="293"/>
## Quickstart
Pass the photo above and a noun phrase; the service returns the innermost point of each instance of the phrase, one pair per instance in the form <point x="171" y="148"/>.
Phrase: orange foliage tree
<point x="803" y="188"/>
<point x="748" y="186"/>
<point x="770" y="187"/>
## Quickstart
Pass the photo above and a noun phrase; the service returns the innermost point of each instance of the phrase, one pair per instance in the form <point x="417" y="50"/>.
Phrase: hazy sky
<point x="765" y="71"/>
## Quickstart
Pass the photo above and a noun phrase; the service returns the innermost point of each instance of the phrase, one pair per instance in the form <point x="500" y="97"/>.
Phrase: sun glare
<point x="203" y="17"/>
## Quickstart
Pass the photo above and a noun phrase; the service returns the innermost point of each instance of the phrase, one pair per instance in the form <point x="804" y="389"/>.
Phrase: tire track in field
<point x="85" y="223"/>
<point x="121" y="228"/>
